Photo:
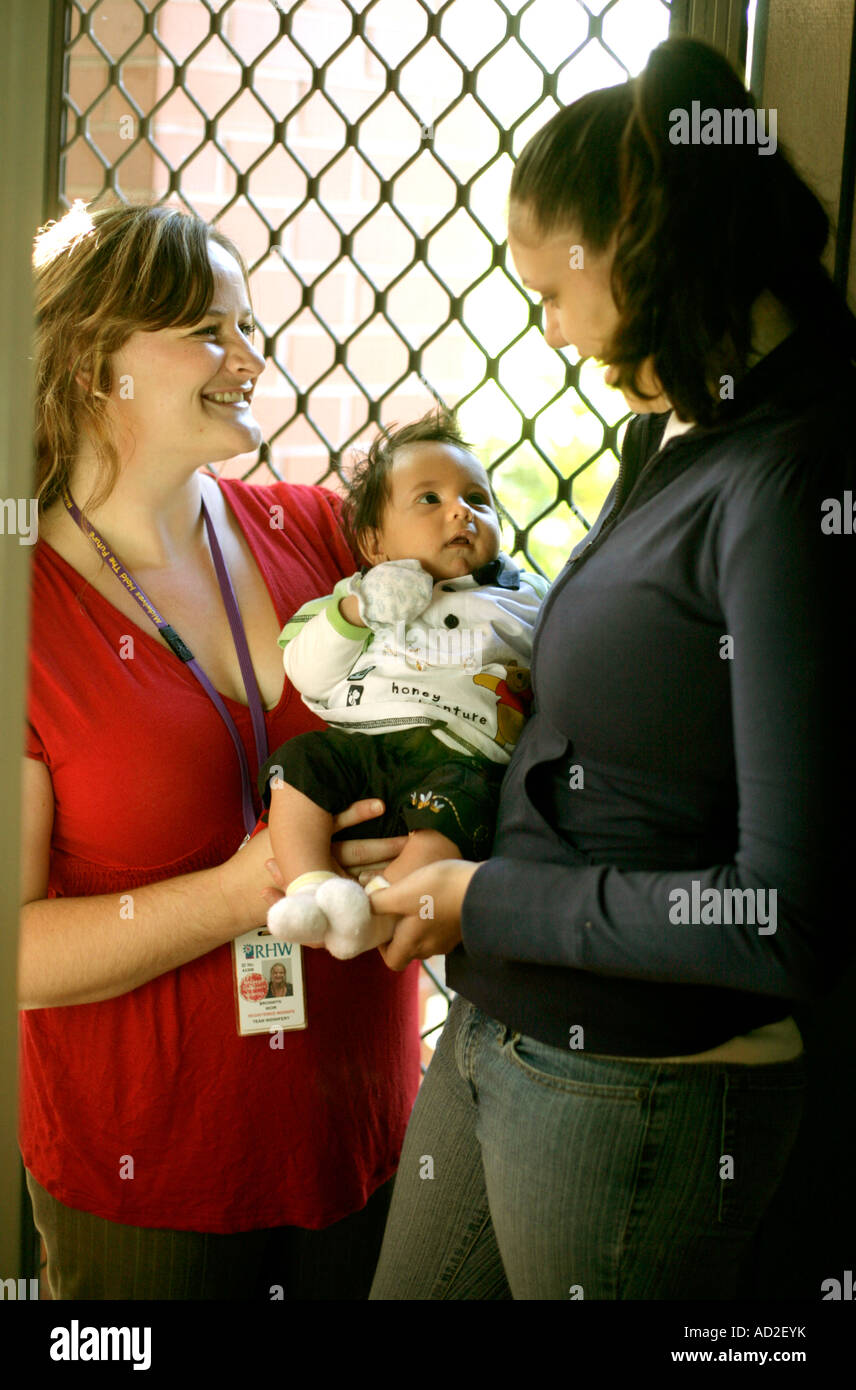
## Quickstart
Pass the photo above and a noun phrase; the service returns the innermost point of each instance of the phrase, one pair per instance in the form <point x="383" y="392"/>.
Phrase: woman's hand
<point x="244" y="881"/>
<point x="428" y="903"/>
<point x="363" y="859"/>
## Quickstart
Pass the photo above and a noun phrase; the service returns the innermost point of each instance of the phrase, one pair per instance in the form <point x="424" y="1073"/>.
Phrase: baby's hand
<point x="393" y="592"/>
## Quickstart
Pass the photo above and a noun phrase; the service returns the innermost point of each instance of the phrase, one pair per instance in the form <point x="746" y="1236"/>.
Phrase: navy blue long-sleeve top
<point x="692" y="732"/>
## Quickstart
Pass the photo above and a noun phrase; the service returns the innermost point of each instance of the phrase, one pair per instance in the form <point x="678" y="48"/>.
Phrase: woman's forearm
<point x="82" y="950"/>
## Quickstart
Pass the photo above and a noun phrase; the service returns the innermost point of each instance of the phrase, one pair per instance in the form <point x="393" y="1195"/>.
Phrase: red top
<point x="227" y="1133"/>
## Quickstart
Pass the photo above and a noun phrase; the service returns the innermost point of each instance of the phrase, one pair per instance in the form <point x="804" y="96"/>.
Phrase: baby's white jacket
<point x="446" y="671"/>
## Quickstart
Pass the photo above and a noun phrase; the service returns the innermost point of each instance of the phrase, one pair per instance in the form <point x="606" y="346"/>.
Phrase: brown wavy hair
<point x="99" y="277"/>
<point x="700" y="231"/>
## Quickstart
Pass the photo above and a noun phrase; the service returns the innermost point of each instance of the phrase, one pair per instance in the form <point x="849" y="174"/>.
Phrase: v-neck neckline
<point x="152" y="639"/>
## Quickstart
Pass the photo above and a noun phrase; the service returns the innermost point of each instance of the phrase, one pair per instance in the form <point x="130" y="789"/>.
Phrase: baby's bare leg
<point x="320" y="907"/>
<point x="299" y="833"/>
<point x="423" y="847"/>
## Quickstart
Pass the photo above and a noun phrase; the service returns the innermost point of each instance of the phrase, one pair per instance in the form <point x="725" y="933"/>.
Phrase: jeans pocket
<point x="760" y="1124"/>
<point x="573" y="1073"/>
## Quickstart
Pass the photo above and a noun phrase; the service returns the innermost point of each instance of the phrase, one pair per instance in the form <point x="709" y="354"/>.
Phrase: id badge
<point x="264" y="967"/>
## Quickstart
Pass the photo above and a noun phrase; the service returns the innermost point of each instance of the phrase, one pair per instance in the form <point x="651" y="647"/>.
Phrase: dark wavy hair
<point x="700" y="230"/>
<point x="368" y="485"/>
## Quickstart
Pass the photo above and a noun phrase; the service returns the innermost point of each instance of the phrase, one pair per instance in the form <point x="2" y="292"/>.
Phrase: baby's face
<point x="440" y="512"/>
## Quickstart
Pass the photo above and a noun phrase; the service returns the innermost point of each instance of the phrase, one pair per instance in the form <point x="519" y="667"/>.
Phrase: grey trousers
<point x="90" y="1258"/>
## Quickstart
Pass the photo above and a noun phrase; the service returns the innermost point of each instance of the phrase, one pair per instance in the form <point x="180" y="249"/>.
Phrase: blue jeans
<point x="533" y="1173"/>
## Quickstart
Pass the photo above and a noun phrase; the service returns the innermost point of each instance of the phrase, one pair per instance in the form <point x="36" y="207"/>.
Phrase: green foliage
<point x="527" y="489"/>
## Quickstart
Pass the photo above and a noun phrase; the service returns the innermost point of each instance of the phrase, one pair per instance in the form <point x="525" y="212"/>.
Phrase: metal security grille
<point x="359" y="153"/>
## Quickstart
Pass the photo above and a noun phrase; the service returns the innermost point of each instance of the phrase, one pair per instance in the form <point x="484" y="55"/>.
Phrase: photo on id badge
<point x="269" y="991"/>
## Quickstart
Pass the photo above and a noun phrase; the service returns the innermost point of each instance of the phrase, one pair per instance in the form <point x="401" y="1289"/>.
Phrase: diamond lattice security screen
<point x="360" y="155"/>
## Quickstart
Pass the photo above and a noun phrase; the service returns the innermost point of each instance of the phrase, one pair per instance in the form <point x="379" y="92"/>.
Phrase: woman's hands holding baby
<point x="425" y="907"/>
<point x="357" y="857"/>
<point x="428" y="903"/>
<point x="360" y="857"/>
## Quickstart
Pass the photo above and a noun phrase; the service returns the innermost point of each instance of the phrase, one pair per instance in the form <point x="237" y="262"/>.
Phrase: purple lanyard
<point x="183" y="652"/>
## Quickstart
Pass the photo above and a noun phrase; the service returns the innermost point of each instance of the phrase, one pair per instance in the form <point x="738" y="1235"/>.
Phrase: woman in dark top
<point x="620" y="1082"/>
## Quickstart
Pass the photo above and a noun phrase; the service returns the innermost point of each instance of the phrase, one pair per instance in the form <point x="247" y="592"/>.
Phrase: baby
<point x="420" y="665"/>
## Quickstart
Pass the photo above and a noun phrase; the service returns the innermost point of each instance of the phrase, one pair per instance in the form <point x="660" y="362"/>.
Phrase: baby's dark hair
<point x="368" y="485"/>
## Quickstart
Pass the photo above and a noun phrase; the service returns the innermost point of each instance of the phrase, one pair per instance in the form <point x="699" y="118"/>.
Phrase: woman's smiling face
<point x="166" y="383"/>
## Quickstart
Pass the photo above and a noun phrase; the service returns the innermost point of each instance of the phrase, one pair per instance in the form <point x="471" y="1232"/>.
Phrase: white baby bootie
<point x="296" y="917"/>
<point x="320" y="908"/>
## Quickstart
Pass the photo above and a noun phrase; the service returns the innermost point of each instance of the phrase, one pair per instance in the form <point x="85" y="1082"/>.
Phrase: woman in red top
<point x="167" y="1156"/>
